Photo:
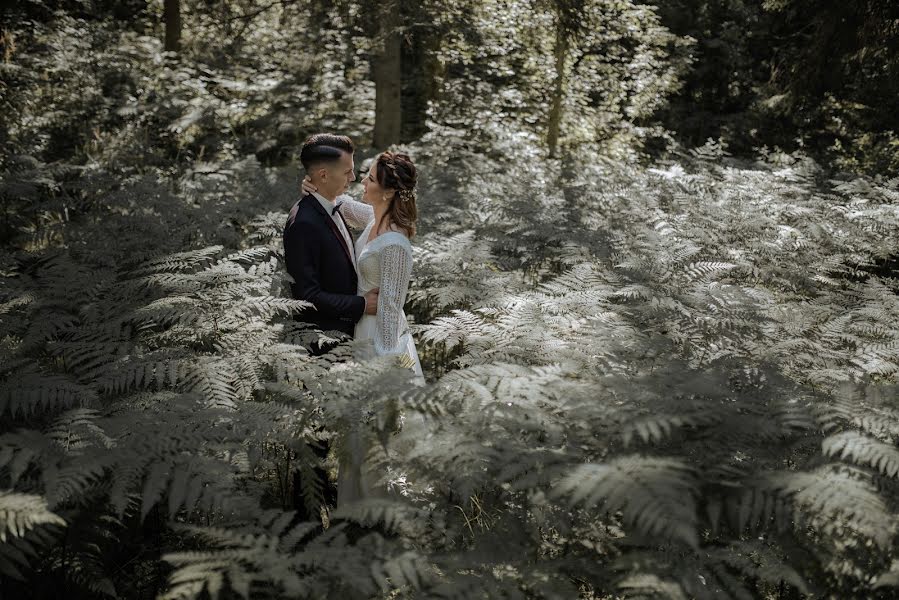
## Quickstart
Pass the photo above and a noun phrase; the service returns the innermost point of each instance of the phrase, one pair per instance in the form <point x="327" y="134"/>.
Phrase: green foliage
<point x="693" y="319"/>
<point x="791" y="74"/>
<point x="499" y="73"/>
<point x="676" y="381"/>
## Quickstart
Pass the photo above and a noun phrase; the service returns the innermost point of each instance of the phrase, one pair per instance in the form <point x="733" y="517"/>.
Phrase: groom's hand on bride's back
<point x="371" y="302"/>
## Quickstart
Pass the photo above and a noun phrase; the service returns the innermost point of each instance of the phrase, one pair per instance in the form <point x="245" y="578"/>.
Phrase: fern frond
<point x="87" y="358"/>
<point x="312" y="487"/>
<point x="455" y="329"/>
<point x="860" y="408"/>
<point x="178" y="262"/>
<point x="16" y="554"/>
<point x="888" y="579"/>
<point x="757" y="561"/>
<point x="77" y="429"/>
<point x="656" y="428"/>
<point x="394" y="515"/>
<point x="838" y="501"/>
<point x="266" y="307"/>
<point x="22" y="300"/>
<point x="31" y="392"/>
<point x="702" y="269"/>
<point x="19" y="513"/>
<point x="19" y="450"/>
<point x="169" y="311"/>
<point x="192" y="482"/>
<point x="250" y="255"/>
<point x="213" y="378"/>
<point x="266" y="228"/>
<point x="210" y="376"/>
<point x="651" y="585"/>
<point x="70" y="482"/>
<point x="655" y="494"/>
<point x="863" y="450"/>
<point x="408" y="569"/>
<point x="203" y="574"/>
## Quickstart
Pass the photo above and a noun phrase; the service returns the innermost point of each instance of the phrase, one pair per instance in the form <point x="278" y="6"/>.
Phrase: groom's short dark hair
<point x="324" y="148"/>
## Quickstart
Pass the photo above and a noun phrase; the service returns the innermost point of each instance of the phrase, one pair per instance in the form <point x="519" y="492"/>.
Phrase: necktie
<point x="336" y="207"/>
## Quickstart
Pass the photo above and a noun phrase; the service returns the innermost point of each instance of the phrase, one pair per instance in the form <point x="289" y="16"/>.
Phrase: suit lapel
<point x="340" y="239"/>
<point x="333" y="226"/>
<point x="347" y="227"/>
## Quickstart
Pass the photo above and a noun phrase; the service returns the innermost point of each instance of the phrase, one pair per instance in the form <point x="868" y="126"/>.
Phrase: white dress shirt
<point x="328" y="205"/>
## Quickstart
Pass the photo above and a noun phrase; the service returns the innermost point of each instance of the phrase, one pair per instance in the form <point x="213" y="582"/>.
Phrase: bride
<point x="387" y="216"/>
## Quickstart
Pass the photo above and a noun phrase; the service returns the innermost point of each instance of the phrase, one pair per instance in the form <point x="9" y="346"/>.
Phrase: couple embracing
<point x="358" y="287"/>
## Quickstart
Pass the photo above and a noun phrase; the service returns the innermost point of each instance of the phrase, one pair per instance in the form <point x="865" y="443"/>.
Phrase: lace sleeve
<point x="357" y="214"/>
<point x="396" y="269"/>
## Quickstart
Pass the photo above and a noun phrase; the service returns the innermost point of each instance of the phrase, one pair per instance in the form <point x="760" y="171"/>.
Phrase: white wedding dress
<point x="386" y="263"/>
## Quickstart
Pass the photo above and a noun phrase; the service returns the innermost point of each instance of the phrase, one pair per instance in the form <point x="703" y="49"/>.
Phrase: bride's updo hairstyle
<point x="396" y="171"/>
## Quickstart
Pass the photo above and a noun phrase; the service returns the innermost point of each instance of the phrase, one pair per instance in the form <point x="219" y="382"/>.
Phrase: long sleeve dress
<point x="385" y="263"/>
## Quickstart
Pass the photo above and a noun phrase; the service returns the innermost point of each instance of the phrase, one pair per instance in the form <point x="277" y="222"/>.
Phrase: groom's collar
<point x="326" y="204"/>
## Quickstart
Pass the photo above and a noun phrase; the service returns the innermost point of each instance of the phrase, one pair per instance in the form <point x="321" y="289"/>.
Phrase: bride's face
<point x="374" y="193"/>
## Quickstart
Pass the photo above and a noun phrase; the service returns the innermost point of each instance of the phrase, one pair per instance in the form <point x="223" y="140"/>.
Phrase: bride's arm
<point x="357" y="214"/>
<point x="396" y="269"/>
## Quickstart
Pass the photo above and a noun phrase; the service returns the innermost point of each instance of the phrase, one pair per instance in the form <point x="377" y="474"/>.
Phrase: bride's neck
<point x="382" y="223"/>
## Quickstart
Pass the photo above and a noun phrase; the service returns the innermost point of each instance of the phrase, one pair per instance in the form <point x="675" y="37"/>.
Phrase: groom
<point x="319" y="252"/>
<point x="320" y="257"/>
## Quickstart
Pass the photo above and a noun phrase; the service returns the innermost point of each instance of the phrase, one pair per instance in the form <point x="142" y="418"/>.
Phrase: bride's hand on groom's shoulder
<point x="307" y="186"/>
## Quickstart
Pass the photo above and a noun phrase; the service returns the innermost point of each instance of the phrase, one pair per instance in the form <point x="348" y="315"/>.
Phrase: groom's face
<point x="339" y="175"/>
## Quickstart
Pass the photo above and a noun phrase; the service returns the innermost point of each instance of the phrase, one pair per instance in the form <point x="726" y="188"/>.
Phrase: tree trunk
<point x="387" y="73"/>
<point x="419" y="74"/>
<point x="555" y="112"/>
<point x="172" y="16"/>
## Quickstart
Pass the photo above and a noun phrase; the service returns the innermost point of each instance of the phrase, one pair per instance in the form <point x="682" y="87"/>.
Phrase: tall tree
<point x="172" y="18"/>
<point x="419" y="75"/>
<point x="572" y="72"/>
<point x="387" y="71"/>
<point x="568" y="27"/>
<point x="405" y="66"/>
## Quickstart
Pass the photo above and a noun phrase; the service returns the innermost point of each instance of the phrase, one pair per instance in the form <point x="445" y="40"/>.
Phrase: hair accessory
<point x="406" y="195"/>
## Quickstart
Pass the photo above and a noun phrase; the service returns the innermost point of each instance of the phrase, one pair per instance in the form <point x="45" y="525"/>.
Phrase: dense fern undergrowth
<point x="675" y="381"/>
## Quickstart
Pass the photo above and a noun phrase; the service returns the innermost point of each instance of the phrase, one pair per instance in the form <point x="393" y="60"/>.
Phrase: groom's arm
<point x="305" y="259"/>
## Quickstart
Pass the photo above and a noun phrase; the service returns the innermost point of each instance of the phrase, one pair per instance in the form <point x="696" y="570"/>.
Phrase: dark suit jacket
<point x="318" y="259"/>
